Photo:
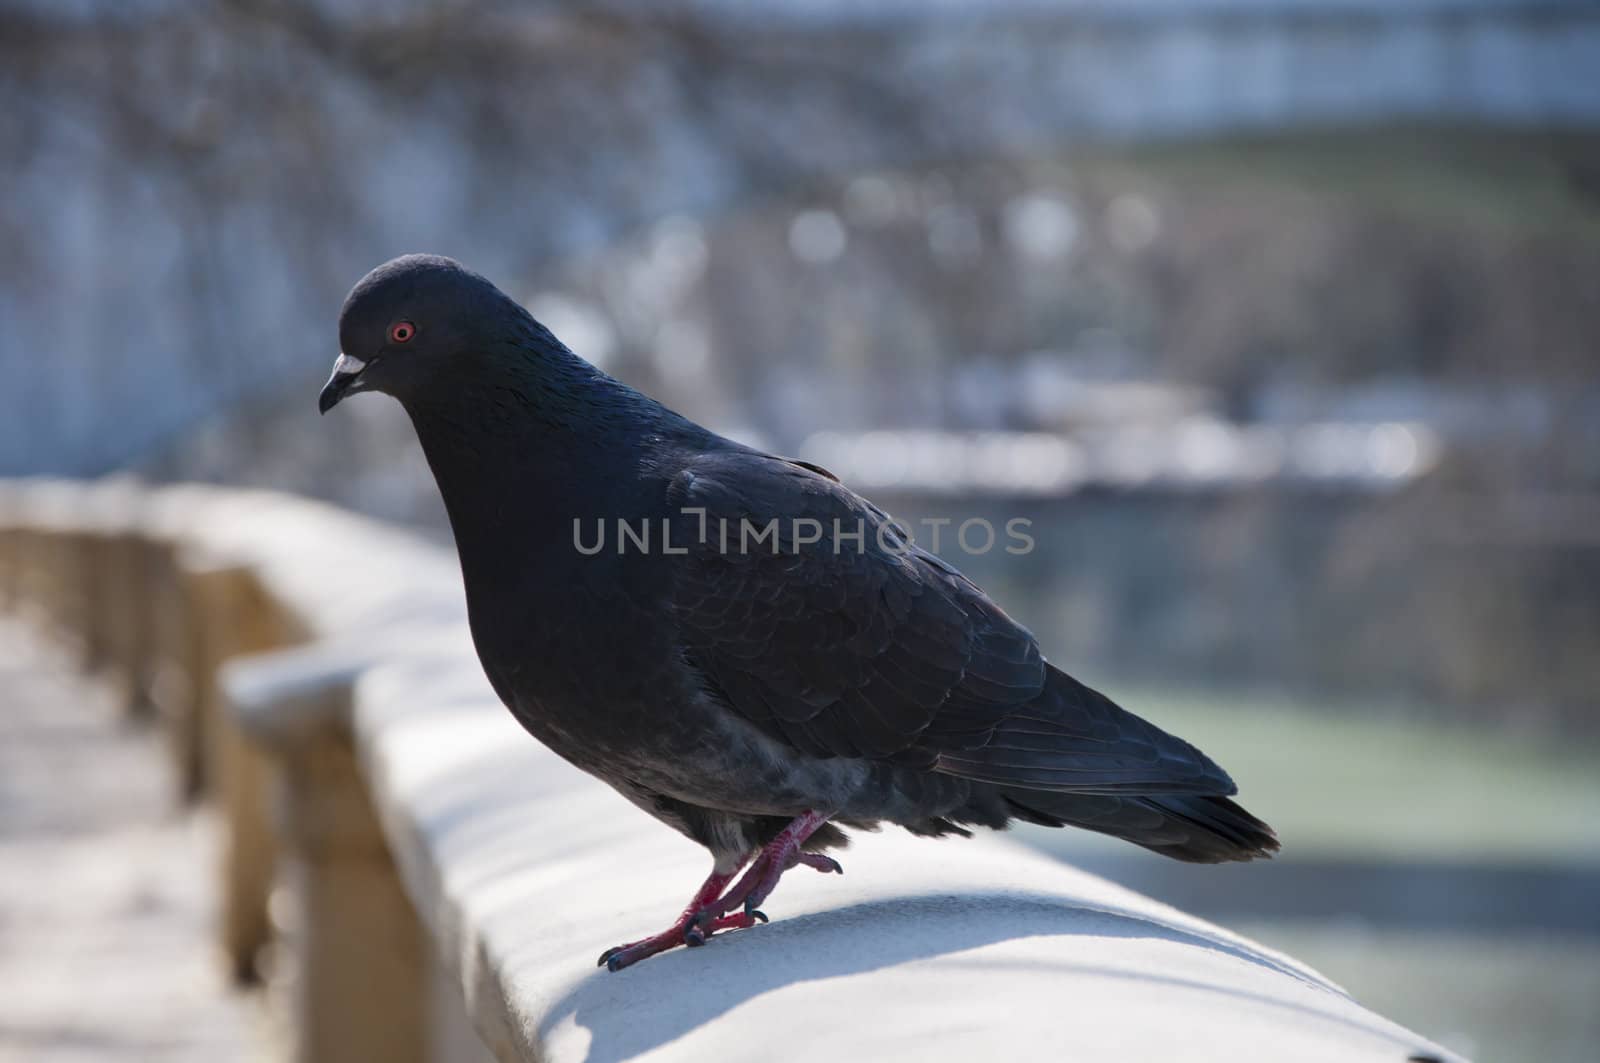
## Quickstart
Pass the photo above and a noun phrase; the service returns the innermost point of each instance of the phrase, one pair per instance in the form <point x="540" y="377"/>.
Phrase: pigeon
<point x="738" y="643"/>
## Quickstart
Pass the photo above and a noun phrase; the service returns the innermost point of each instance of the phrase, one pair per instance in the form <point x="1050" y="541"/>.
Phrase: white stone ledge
<point x="523" y="870"/>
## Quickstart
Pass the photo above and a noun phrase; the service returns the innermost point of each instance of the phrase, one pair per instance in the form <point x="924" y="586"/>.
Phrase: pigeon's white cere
<point x="347" y="366"/>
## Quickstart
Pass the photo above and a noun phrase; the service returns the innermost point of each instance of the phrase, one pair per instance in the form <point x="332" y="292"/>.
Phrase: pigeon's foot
<point x="779" y="855"/>
<point x="686" y="931"/>
<point x="712" y="911"/>
<point x="690" y="929"/>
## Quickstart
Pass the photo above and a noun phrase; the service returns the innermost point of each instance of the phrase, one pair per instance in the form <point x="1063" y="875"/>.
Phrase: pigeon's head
<point x="410" y="319"/>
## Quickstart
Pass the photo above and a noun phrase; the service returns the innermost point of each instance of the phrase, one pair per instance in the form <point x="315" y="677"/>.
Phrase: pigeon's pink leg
<point x="779" y="855"/>
<point x="708" y="912"/>
<point x="686" y="931"/>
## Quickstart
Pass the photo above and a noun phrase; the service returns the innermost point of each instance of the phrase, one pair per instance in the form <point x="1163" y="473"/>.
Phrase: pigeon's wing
<point x="807" y="614"/>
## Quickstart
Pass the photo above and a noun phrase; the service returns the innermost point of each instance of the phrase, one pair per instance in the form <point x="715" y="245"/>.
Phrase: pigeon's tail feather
<point x="1071" y="756"/>
<point x="1072" y="738"/>
<point x="1200" y="829"/>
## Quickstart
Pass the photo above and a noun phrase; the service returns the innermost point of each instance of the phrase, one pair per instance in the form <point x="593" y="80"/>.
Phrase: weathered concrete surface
<point x="923" y="950"/>
<point x="105" y="889"/>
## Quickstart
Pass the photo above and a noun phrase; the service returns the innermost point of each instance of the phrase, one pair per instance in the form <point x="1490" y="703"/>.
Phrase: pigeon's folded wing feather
<point x="835" y="635"/>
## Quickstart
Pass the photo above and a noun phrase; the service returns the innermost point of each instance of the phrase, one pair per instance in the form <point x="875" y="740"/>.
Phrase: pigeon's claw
<point x="692" y="931"/>
<point x="822" y="863"/>
<point x="704" y="917"/>
<point x="736" y="921"/>
<point x="615" y="959"/>
<point x="780" y="854"/>
<point x="707" y="923"/>
<point x="713" y="911"/>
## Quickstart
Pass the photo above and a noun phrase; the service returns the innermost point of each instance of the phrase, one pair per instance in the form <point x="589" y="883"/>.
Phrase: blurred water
<point x="1445" y="875"/>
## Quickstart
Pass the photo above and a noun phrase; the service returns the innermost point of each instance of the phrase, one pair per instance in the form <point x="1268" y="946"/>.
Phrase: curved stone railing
<point x="448" y="869"/>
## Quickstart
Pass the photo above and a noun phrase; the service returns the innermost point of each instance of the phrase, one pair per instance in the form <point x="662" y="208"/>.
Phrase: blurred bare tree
<point x="898" y="217"/>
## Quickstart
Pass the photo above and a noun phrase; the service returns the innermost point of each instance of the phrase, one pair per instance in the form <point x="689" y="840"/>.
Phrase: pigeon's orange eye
<point x="401" y="332"/>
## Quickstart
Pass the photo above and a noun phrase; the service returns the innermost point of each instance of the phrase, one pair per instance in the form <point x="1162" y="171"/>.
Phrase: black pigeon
<point x="750" y="685"/>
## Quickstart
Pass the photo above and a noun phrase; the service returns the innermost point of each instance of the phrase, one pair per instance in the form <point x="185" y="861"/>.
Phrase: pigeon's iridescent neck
<point x="521" y="447"/>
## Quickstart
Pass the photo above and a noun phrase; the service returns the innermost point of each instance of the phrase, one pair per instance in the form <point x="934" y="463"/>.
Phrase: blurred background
<point x="1278" y="319"/>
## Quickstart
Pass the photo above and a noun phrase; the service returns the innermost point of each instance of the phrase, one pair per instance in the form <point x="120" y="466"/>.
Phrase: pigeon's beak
<point x="346" y="374"/>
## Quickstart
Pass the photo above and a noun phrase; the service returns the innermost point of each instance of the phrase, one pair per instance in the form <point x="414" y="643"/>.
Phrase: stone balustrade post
<point x="229" y="614"/>
<point x="361" y="984"/>
<point x="117" y="559"/>
<point x="56" y="560"/>
<point x="10" y="548"/>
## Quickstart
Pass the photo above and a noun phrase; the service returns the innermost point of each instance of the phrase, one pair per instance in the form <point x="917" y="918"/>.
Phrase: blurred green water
<point x="1525" y="997"/>
<point x="1336" y="780"/>
<point x="1447" y="876"/>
